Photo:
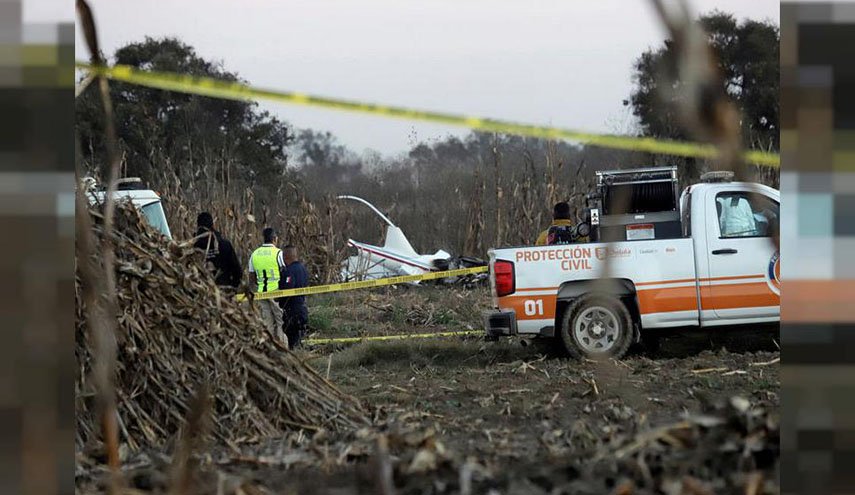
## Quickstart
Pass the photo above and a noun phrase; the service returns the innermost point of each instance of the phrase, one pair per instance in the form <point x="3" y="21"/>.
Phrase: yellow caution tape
<point x="349" y="340"/>
<point x="206" y="86"/>
<point x="380" y="282"/>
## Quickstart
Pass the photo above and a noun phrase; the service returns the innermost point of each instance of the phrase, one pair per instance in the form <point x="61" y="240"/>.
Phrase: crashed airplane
<point x="396" y="256"/>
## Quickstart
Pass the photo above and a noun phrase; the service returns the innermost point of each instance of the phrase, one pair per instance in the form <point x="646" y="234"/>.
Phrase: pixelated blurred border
<point x="37" y="262"/>
<point x="818" y="239"/>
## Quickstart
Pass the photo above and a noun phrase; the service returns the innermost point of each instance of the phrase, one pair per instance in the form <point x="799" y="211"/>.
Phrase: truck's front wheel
<point x="596" y="326"/>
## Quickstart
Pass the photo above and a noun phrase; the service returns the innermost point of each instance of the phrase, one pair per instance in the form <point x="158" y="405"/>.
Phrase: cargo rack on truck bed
<point x="635" y="204"/>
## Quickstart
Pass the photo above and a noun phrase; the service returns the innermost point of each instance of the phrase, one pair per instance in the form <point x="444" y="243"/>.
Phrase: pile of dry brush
<point x="176" y="333"/>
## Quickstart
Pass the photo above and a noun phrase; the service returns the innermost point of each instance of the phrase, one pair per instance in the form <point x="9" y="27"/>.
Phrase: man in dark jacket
<point x="218" y="251"/>
<point x="296" y="315"/>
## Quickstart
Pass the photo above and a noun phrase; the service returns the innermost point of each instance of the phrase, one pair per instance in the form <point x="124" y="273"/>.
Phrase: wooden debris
<point x="767" y="363"/>
<point x="707" y="370"/>
<point x="593" y="384"/>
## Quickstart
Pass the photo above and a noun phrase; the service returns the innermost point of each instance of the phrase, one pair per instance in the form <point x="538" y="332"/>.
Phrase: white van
<point x="132" y="189"/>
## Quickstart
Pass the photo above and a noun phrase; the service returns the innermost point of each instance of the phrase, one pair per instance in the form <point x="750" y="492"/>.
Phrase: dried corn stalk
<point x="177" y="330"/>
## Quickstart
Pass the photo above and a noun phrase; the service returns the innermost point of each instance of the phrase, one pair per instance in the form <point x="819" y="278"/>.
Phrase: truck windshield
<point x="153" y="212"/>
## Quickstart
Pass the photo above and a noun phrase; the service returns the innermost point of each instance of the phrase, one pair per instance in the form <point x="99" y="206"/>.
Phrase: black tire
<point x="618" y="334"/>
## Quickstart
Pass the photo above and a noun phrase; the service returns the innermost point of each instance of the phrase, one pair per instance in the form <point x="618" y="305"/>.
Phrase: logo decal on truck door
<point x="773" y="274"/>
<point x="605" y="252"/>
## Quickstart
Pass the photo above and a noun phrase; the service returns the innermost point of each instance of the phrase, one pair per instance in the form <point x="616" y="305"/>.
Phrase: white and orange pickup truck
<point x="656" y="260"/>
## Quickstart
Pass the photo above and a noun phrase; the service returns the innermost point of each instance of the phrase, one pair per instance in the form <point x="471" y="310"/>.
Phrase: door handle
<point x="724" y="251"/>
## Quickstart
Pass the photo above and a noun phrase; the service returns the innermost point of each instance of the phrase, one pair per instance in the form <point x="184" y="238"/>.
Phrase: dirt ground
<point x="463" y="415"/>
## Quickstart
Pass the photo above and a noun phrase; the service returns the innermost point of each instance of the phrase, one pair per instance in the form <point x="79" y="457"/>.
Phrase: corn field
<point x="496" y="191"/>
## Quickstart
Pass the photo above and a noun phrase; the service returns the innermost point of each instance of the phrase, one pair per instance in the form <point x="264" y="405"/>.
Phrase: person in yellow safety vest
<point x="561" y="231"/>
<point x="266" y="266"/>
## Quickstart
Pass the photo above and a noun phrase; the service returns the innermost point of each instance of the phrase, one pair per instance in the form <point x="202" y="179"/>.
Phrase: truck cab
<point x="133" y="190"/>
<point x="703" y="258"/>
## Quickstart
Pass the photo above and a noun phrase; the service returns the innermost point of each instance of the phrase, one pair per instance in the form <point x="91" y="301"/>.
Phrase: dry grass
<point x="397" y="310"/>
<point x="448" y="353"/>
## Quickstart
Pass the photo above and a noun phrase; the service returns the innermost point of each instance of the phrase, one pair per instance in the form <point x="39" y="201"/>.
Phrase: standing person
<point x="218" y="251"/>
<point x="266" y="267"/>
<point x="296" y="312"/>
<point x="561" y="231"/>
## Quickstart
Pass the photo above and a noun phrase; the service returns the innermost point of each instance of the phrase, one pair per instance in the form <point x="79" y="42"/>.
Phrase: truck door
<point x="743" y="282"/>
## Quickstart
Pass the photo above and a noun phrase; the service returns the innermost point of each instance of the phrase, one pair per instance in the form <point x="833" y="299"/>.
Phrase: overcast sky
<point x="564" y="63"/>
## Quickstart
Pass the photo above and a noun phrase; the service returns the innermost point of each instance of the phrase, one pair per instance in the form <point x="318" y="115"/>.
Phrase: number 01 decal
<point x="533" y="307"/>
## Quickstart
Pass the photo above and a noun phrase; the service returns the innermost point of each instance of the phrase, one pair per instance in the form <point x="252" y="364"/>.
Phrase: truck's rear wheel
<point x="596" y="326"/>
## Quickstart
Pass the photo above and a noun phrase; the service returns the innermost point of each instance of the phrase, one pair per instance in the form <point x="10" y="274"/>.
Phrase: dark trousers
<point x="295" y="329"/>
